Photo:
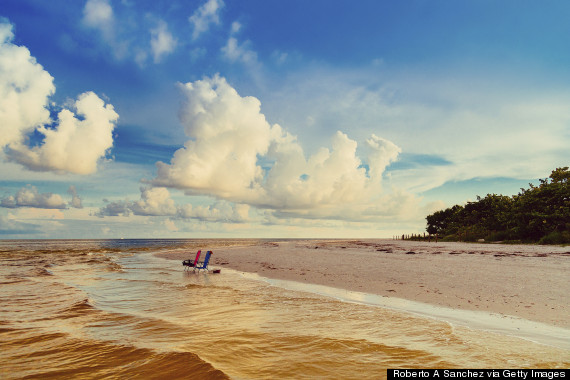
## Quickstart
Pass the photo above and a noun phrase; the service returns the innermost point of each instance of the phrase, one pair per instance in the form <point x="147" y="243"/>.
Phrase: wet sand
<point x="525" y="281"/>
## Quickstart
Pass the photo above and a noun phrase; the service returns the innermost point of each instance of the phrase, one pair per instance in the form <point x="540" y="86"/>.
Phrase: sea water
<point x="95" y="309"/>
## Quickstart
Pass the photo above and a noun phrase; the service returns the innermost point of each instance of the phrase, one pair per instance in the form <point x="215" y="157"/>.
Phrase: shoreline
<point x="524" y="281"/>
<point x="532" y="331"/>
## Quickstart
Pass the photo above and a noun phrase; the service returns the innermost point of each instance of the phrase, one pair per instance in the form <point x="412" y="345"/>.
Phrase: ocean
<point x="92" y="309"/>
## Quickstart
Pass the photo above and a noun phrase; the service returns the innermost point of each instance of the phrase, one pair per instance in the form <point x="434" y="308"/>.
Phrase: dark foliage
<point x="537" y="214"/>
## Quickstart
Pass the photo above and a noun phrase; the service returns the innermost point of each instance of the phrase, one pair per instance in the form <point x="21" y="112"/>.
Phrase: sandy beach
<point x="289" y="309"/>
<point x="526" y="281"/>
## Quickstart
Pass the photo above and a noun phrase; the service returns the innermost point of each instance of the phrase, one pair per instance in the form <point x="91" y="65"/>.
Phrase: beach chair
<point x="189" y="263"/>
<point x="204" y="264"/>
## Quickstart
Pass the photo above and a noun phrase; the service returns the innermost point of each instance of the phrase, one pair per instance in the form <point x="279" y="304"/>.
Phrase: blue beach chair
<point x="189" y="264"/>
<point x="204" y="264"/>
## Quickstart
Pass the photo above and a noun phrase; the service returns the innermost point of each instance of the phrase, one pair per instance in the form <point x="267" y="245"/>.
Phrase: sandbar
<point x="524" y="281"/>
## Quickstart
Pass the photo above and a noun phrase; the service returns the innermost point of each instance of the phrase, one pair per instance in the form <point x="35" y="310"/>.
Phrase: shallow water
<point x="111" y="309"/>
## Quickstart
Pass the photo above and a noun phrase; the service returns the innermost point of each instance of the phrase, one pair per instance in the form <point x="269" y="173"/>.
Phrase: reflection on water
<point x="111" y="309"/>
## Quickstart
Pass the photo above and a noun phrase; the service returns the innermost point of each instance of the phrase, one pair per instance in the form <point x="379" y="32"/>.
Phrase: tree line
<point x="537" y="214"/>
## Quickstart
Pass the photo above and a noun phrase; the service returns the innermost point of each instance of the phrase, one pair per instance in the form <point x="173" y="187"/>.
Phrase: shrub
<point x="556" y="237"/>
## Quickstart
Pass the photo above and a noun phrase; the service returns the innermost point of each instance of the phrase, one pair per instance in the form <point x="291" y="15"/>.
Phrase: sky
<point x="283" y="119"/>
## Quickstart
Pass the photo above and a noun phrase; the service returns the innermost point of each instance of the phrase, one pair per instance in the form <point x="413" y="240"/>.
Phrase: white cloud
<point x="329" y="177"/>
<point x="161" y="42"/>
<point x="156" y="201"/>
<point x="206" y="14"/>
<point x="99" y="14"/>
<point x="236" y="27"/>
<point x="140" y="57"/>
<point x="76" y="145"/>
<point x="9" y="226"/>
<point x="76" y="201"/>
<point x="122" y="38"/>
<point x="24" y="90"/>
<point x="236" y="52"/>
<point x="218" y="212"/>
<point x="485" y="129"/>
<point x="279" y="57"/>
<point x="197" y="53"/>
<point x="43" y="214"/>
<point x="243" y="53"/>
<point x="384" y="153"/>
<point x="116" y="208"/>
<point x="490" y="135"/>
<point x="170" y="225"/>
<point x="229" y="140"/>
<point x="30" y="197"/>
<point x="227" y="133"/>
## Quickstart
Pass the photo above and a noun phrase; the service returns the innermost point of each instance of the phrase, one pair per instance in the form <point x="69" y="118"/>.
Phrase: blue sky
<point x="125" y="118"/>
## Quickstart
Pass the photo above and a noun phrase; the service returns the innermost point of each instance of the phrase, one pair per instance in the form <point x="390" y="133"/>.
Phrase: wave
<point x="23" y="353"/>
<point x="38" y="272"/>
<point x="15" y="280"/>
<point x="77" y="309"/>
<point x="114" y="267"/>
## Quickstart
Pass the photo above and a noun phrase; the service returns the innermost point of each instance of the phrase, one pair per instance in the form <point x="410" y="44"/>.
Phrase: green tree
<point x="441" y="222"/>
<point x="539" y="213"/>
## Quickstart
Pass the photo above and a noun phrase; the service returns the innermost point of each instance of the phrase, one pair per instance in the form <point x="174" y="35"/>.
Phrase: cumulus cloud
<point x="204" y="16"/>
<point x="384" y="153"/>
<point x="30" y="197"/>
<point x="116" y="208"/>
<point x="74" y="144"/>
<point x="229" y="139"/>
<point x="162" y="42"/>
<point x="227" y="133"/>
<point x="77" y="144"/>
<point x="156" y="201"/>
<point x="24" y="90"/>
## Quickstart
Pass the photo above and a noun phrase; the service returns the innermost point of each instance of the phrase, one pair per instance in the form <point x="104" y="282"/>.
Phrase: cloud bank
<point x="156" y="201"/>
<point x="13" y="227"/>
<point x="234" y="154"/>
<point x="30" y="197"/>
<point x="74" y="143"/>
